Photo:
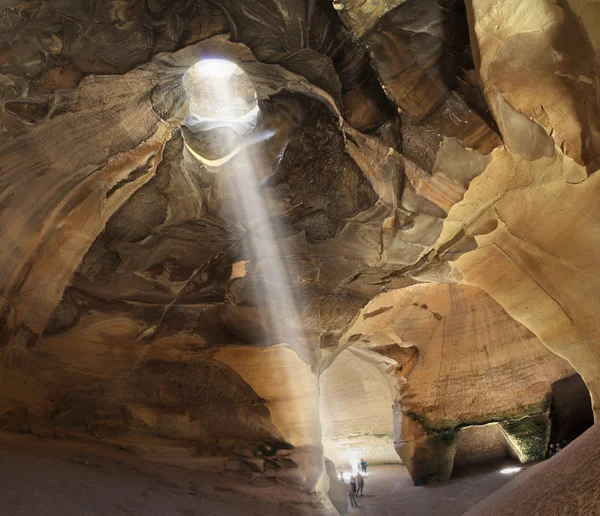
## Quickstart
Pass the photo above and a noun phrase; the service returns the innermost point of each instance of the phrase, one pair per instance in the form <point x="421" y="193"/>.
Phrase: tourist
<point x="558" y="447"/>
<point x="551" y="450"/>
<point x="363" y="467"/>
<point x="352" y="492"/>
<point x="360" y="484"/>
<point x="342" y="477"/>
<point x="564" y="443"/>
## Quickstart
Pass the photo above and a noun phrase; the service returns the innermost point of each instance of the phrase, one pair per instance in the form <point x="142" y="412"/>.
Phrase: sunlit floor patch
<point x="510" y="471"/>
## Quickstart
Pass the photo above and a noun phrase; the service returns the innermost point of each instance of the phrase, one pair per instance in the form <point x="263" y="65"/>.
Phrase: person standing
<point x="352" y="492"/>
<point x="363" y="467"/>
<point x="342" y="477"/>
<point x="360" y="484"/>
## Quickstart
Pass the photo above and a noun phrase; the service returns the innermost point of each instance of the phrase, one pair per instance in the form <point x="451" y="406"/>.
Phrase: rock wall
<point x="355" y="406"/>
<point x="532" y="211"/>
<point x="543" y="489"/>
<point x="480" y="445"/>
<point x="460" y="360"/>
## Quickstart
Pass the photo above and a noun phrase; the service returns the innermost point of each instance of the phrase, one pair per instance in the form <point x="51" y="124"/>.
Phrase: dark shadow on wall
<point x="571" y="409"/>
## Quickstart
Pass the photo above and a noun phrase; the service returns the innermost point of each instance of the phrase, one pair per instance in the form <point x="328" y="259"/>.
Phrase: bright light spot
<point x="222" y="113"/>
<point x="354" y="462"/>
<point x="219" y="91"/>
<point x="508" y="471"/>
<point x="217" y="68"/>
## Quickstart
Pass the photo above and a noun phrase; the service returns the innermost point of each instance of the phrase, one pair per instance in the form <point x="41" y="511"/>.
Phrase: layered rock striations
<point x="458" y="360"/>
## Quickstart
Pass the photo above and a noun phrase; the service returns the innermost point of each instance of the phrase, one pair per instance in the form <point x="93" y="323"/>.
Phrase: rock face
<point x="409" y="219"/>
<point x="481" y="444"/>
<point x="72" y="475"/>
<point x="465" y="342"/>
<point x="356" y="398"/>
<point x="460" y="360"/>
<point x="542" y="489"/>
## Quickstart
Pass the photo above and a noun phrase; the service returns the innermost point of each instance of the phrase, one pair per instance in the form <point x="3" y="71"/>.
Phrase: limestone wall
<point x="480" y="445"/>
<point x="356" y="413"/>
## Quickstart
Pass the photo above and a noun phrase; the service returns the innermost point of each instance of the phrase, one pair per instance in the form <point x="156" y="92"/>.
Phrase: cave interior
<point x="264" y="239"/>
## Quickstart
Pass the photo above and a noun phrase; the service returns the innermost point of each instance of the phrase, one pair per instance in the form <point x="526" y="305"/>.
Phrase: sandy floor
<point x="62" y="478"/>
<point x="389" y="491"/>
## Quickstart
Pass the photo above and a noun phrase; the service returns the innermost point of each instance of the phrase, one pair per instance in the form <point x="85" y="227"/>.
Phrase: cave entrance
<point x="571" y="409"/>
<point x="219" y="90"/>
<point x="222" y="111"/>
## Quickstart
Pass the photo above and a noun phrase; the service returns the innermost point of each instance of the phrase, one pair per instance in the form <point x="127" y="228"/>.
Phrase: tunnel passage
<point x="356" y="400"/>
<point x="571" y="409"/>
<point x="481" y="444"/>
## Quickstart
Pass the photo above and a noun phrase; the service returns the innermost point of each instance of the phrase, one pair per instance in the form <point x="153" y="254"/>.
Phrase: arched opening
<point x="356" y="398"/>
<point x="219" y="90"/>
<point x="571" y="409"/>
<point x="222" y="110"/>
<point x="472" y="384"/>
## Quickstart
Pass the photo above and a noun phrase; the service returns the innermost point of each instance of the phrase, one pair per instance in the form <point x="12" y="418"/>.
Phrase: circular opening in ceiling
<point x="219" y="90"/>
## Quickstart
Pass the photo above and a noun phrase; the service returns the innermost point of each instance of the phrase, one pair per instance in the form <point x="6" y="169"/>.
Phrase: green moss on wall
<point x="518" y="413"/>
<point x="434" y="458"/>
<point x="528" y="436"/>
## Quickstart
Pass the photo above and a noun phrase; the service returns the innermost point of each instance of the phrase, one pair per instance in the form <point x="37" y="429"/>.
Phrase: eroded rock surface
<point x="540" y="489"/>
<point x="458" y="359"/>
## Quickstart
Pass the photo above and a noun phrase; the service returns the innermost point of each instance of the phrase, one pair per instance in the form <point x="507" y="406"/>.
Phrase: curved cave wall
<point x="355" y="406"/>
<point x="464" y="371"/>
<point x="429" y="198"/>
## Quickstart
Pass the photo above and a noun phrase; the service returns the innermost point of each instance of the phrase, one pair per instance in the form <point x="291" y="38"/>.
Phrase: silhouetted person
<point x="342" y="477"/>
<point x="363" y="467"/>
<point x="352" y="492"/>
<point x="360" y="484"/>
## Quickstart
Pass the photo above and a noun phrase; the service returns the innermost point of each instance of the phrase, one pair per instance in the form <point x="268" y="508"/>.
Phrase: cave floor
<point x="52" y="477"/>
<point x="389" y="491"/>
<point x="57" y="477"/>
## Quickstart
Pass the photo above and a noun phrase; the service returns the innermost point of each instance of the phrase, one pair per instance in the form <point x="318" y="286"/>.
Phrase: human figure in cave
<point x="363" y="467"/>
<point x="352" y="492"/>
<point x="360" y="484"/>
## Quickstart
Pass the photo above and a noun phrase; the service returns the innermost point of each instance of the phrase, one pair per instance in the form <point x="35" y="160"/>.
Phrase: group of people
<point x="553" y="449"/>
<point x="356" y="484"/>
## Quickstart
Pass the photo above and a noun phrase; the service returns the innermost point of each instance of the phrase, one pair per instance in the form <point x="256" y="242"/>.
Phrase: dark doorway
<point x="571" y="409"/>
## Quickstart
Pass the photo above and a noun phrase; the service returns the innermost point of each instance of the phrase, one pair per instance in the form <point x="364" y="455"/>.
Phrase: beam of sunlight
<point x="265" y="258"/>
